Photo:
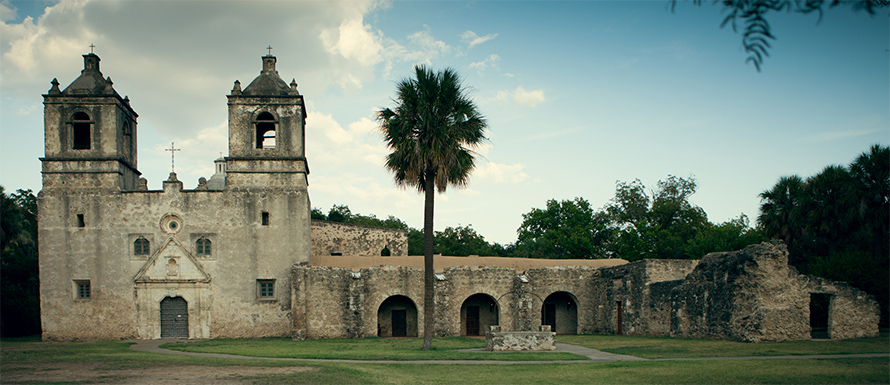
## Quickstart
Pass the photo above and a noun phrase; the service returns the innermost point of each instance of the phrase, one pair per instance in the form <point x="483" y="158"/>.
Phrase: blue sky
<point x="578" y="95"/>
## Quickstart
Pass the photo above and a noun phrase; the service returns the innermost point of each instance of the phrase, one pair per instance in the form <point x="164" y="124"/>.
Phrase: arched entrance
<point x="174" y="318"/>
<point x="478" y="312"/>
<point x="397" y="317"/>
<point x="560" y="311"/>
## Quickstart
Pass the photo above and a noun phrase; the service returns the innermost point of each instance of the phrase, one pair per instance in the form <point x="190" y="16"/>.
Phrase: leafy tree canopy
<point x="20" y="306"/>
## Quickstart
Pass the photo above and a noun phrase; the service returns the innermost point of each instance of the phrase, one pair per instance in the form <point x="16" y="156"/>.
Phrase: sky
<point x="578" y="95"/>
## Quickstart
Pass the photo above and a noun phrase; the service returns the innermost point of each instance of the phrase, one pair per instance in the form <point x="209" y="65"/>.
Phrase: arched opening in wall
<point x="385" y="252"/>
<point x="560" y="311"/>
<point x="265" y="131"/>
<point x="820" y="308"/>
<point x="174" y="318"/>
<point x="478" y="312"/>
<point x="80" y="133"/>
<point x="397" y="317"/>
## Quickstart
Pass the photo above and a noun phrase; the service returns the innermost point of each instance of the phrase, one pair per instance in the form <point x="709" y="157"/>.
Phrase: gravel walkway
<point x="153" y="346"/>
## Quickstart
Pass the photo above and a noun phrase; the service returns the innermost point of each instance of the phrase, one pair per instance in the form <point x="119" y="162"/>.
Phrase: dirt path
<point x="95" y="373"/>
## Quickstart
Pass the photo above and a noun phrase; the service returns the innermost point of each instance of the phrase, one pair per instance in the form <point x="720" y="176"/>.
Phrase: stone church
<point x="238" y="256"/>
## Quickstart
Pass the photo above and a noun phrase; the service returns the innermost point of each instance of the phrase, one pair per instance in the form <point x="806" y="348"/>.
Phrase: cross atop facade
<point x="172" y="150"/>
<point x="270" y="50"/>
<point x="91" y="47"/>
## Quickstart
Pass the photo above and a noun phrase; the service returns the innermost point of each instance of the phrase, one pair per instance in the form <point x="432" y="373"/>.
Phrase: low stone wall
<point x="498" y="341"/>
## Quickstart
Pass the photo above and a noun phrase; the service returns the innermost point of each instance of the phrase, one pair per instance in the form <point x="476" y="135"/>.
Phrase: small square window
<point x="80" y="221"/>
<point x="265" y="288"/>
<point x="265" y="218"/>
<point x="82" y="289"/>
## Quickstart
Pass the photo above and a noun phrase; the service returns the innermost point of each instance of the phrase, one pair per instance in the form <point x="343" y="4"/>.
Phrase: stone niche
<point x="499" y="341"/>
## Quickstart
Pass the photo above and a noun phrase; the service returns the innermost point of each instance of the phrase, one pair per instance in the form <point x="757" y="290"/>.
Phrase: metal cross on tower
<point x="172" y="150"/>
<point x="270" y="50"/>
<point x="91" y="47"/>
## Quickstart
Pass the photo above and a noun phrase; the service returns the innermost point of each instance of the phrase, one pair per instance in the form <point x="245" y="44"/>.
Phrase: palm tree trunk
<point x="428" y="273"/>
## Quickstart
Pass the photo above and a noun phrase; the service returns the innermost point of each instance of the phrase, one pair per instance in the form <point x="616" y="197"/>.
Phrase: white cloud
<point x="501" y="173"/>
<point x="491" y="61"/>
<point x="523" y="97"/>
<point x="354" y="40"/>
<point x="7" y="11"/>
<point x="472" y="39"/>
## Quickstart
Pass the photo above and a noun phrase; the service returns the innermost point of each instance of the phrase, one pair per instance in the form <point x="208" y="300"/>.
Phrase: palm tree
<point x="432" y="133"/>
<point x="871" y="172"/>
<point x="781" y="213"/>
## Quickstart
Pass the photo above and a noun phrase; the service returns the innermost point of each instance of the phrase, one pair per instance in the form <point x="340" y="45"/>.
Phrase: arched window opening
<point x="81" y="125"/>
<point x="478" y="313"/>
<point x="141" y="246"/>
<point x="385" y="252"/>
<point x="265" y="131"/>
<point x="203" y="247"/>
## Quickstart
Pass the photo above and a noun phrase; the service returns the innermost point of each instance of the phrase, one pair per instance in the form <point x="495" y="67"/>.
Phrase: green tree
<point x="871" y="173"/>
<point x="568" y="229"/>
<point x="731" y="235"/>
<point x="19" y="284"/>
<point x="658" y="227"/>
<point x="462" y="241"/>
<point x="340" y="213"/>
<point x="432" y="133"/>
<point x="781" y="210"/>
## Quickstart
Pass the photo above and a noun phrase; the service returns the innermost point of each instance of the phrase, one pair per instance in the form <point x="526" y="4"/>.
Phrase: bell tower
<point x="266" y="133"/>
<point x="89" y="134"/>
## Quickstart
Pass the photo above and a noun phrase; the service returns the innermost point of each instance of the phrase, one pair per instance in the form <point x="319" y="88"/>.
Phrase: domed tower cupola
<point x="89" y="134"/>
<point x="266" y="132"/>
<point x="268" y="83"/>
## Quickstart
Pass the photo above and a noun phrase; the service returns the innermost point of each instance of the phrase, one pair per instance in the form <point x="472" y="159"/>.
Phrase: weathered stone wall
<point x="330" y="302"/>
<point x="348" y="240"/>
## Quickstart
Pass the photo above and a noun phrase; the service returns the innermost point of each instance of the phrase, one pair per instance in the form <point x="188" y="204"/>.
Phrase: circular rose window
<point x="171" y="223"/>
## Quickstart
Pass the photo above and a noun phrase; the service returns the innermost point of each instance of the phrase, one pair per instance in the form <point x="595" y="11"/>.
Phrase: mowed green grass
<point x="666" y="347"/>
<point x="114" y="355"/>
<point x="373" y="348"/>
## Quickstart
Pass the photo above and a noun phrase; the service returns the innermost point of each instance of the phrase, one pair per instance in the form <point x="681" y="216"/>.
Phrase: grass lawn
<point x="114" y="362"/>
<point x="665" y="347"/>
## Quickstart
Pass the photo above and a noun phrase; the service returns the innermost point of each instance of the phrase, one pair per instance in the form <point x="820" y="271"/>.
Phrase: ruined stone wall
<point x="752" y="295"/>
<point x="643" y="290"/>
<point x="852" y="312"/>
<point x="126" y="289"/>
<point x="346" y="239"/>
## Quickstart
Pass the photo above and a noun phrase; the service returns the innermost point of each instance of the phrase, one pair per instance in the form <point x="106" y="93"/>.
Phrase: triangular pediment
<point x="172" y="263"/>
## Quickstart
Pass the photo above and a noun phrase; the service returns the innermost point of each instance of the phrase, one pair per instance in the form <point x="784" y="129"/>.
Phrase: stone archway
<point x="478" y="312"/>
<point x="397" y="317"/>
<point x="174" y="318"/>
<point x="560" y="311"/>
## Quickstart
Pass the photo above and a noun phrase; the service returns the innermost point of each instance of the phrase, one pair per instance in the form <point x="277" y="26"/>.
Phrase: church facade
<point x="238" y="256"/>
<point x="119" y="261"/>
